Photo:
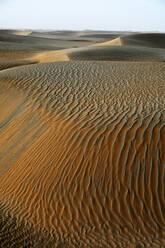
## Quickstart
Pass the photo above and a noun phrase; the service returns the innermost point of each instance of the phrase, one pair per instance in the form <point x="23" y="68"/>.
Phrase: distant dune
<point x="114" y="42"/>
<point x="34" y="47"/>
<point x="104" y="53"/>
<point x="154" y="40"/>
<point x="110" y="53"/>
<point x="82" y="145"/>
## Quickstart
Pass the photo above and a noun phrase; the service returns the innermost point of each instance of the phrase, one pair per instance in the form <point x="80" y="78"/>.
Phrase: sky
<point x="112" y="15"/>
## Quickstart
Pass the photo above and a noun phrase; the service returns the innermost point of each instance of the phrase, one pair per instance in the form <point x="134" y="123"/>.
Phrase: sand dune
<point x="113" y="42"/>
<point x="30" y="40"/>
<point x="21" y="32"/>
<point x="111" y="53"/>
<point x="154" y="40"/>
<point x="13" y="58"/>
<point x="82" y="155"/>
<point x="19" y="47"/>
<point x="82" y="140"/>
<point x="16" y="32"/>
<point x="29" y="47"/>
<point x="20" y="42"/>
<point x="95" y="36"/>
<point x="105" y="53"/>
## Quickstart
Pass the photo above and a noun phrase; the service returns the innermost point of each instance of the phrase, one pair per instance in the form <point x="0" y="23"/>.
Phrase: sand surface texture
<point x="82" y="141"/>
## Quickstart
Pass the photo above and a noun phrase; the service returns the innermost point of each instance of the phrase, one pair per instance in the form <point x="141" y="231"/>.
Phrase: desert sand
<point x="82" y="139"/>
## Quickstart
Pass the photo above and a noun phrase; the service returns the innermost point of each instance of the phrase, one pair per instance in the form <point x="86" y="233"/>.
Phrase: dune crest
<point x="52" y="56"/>
<point x="114" y="42"/>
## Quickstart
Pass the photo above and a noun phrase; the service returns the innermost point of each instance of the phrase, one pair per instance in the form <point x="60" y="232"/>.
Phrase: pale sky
<point x="124" y="15"/>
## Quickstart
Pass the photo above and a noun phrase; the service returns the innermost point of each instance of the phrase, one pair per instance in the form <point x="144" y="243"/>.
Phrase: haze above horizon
<point x="137" y="15"/>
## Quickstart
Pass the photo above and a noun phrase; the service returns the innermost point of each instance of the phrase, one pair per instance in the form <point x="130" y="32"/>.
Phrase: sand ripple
<point x="91" y="165"/>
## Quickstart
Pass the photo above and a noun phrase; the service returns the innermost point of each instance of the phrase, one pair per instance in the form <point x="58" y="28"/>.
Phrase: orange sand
<point x="82" y="153"/>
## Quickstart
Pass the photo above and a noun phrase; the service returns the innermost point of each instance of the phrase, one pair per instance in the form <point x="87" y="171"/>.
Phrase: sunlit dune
<point x="84" y="153"/>
<point x="114" y="42"/>
<point x="103" y="53"/>
<point x="21" y="32"/>
<point x="82" y="141"/>
<point x="38" y="47"/>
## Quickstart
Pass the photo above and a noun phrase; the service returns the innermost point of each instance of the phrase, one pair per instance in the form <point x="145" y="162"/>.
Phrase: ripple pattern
<point x="94" y="174"/>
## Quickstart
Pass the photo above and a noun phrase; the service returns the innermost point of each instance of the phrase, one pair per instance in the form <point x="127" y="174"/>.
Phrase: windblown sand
<point x="82" y="150"/>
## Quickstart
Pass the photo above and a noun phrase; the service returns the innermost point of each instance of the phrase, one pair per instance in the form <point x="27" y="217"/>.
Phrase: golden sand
<point x="82" y="152"/>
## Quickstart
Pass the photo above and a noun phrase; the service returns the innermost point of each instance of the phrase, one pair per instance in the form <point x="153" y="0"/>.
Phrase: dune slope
<point x="84" y="154"/>
<point x="103" y="53"/>
<point x="27" y="47"/>
<point x="118" y="53"/>
<point x="134" y="47"/>
<point x="154" y="40"/>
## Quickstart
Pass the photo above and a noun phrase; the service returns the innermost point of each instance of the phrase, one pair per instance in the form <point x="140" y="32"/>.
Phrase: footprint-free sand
<point x="82" y="140"/>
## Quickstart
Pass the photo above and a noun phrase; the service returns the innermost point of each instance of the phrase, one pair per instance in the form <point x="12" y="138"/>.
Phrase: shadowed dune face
<point x="90" y="167"/>
<point x="27" y="47"/>
<point x="124" y="53"/>
<point x="48" y="41"/>
<point x="156" y="40"/>
<point x="102" y="53"/>
<point x="152" y="40"/>
<point x="98" y="53"/>
<point x="23" y="235"/>
<point x="13" y="58"/>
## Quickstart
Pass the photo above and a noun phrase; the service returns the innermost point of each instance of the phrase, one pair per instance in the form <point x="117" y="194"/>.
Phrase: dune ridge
<point x="94" y="174"/>
<point x="154" y="40"/>
<point x="114" y="42"/>
<point x="43" y="47"/>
